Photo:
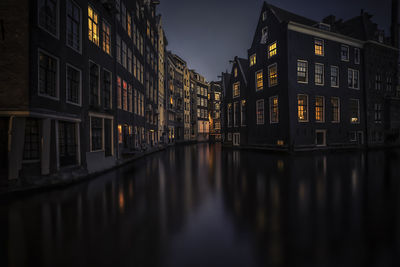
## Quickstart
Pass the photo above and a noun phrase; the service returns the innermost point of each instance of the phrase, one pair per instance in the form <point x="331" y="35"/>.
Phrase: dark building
<point x="78" y="84"/>
<point x="201" y="87"/>
<point x="214" y="107"/>
<point x="311" y="84"/>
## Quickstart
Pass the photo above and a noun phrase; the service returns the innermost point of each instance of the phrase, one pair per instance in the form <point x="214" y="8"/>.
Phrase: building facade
<point x="201" y="88"/>
<point x="214" y="107"/>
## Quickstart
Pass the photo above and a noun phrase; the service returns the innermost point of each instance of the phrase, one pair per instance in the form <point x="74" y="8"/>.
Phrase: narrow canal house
<point x="310" y="83"/>
<point x="201" y="89"/>
<point x="214" y="107"/>
<point x="235" y="102"/>
<point x="72" y="83"/>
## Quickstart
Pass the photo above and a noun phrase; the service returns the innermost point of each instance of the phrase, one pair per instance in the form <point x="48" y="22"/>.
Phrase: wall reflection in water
<point x="202" y="205"/>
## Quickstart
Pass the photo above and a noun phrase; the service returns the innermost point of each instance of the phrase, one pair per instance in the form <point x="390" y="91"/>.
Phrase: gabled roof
<point x="286" y="16"/>
<point x="243" y="66"/>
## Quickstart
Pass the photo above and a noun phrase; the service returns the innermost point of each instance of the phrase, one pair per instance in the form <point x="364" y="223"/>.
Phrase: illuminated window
<point x="319" y="47"/>
<point x="48" y="16"/>
<point x="334" y="76"/>
<point x="319" y="74"/>
<point x="73" y="25"/>
<point x="259" y="80"/>
<point x="94" y="83"/>
<point x="118" y="49"/>
<point x="260" y="111"/>
<point x="273" y="109"/>
<point x="236" y="89"/>
<point x="124" y="96"/>
<point x="129" y="25"/>
<point x="273" y="75"/>
<point x="272" y="50"/>
<point x="96" y="131"/>
<point x="93" y="21"/>
<point x="119" y="93"/>
<point x="243" y="113"/>
<point x="229" y="119"/>
<point x="354" y="105"/>
<point x="353" y="79"/>
<point x="253" y="60"/>
<point x="302" y="108"/>
<point x="335" y="104"/>
<point x="319" y="109"/>
<point x="120" y="135"/>
<point x="107" y="85"/>
<point x="356" y="55"/>
<point x="48" y="75"/>
<point x="235" y="72"/>
<point x="344" y="53"/>
<point x="73" y="85"/>
<point x="302" y="71"/>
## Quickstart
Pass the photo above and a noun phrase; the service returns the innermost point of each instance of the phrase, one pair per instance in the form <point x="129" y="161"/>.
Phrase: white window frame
<point x="324" y="134"/>
<point x="57" y="98"/>
<point x="80" y="29"/>
<point x="79" y="104"/>
<point x="348" y="53"/>
<point x="338" y="76"/>
<point x="233" y="90"/>
<point x="358" y="75"/>
<point x="339" y="113"/>
<point x="323" y="109"/>
<point x="297" y="66"/>
<point x="359" y="118"/>
<point x="102" y="117"/>
<point x="263" y="105"/>
<point x="307" y="111"/>
<point x="110" y="37"/>
<point x="57" y="36"/>
<point x="256" y="80"/>
<point x="277" y="76"/>
<point x="270" y="109"/>
<point x="323" y="74"/>
<point x="323" y="47"/>
<point x="276" y="49"/>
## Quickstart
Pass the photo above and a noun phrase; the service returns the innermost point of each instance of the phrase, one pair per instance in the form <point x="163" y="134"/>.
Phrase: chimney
<point x="395" y="23"/>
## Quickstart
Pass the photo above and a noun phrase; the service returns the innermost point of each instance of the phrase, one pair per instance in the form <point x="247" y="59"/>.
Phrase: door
<point x="67" y="143"/>
<point x="320" y="137"/>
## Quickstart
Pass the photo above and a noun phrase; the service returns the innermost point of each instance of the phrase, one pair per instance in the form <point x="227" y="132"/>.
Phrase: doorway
<point x="67" y="139"/>
<point x="320" y="137"/>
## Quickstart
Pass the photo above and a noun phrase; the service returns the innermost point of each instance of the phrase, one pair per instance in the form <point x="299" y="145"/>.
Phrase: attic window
<point x="264" y="15"/>
<point x="264" y="36"/>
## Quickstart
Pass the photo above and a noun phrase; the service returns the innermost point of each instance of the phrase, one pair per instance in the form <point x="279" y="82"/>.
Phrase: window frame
<point x="243" y="103"/>
<point x="348" y="53"/>
<point x="338" y="110"/>
<point x="79" y="104"/>
<point x="253" y="56"/>
<point x="57" y="35"/>
<point x="353" y="79"/>
<point x="358" y="117"/>
<point x="111" y="89"/>
<point x="357" y="55"/>
<point x="98" y="28"/>
<point x="80" y="27"/>
<point x="269" y="75"/>
<point x="297" y="71"/>
<point x="306" y="110"/>
<point x="323" y="109"/>
<point x="323" y="74"/>
<point x="338" y="76"/>
<point x="323" y="47"/>
<point x="105" y="23"/>
<point x="274" y="50"/>
<point x="57" y="97"/>
<point x="99" y="83"/>
<point x="262" y="80"/>
<point x="271" y="107"/>
<point x="258" y="120"/>
<point x="233" y="90"/>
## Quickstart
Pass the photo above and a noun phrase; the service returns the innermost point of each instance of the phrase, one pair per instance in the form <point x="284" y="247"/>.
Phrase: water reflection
<point x="203" y="206"/>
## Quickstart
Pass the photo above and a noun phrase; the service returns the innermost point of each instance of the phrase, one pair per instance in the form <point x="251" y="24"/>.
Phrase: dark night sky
<point x="208" y="33"/>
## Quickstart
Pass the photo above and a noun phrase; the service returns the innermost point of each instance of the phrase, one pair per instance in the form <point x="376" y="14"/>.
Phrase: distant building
<point x="310" y="84"/>
<point x="214" y="108"/>
<point x="202" y="87"/>
<point x="162" y="118"/>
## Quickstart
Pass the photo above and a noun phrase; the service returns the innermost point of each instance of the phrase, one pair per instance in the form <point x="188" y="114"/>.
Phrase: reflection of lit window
<point x="354" y="110"/>
<point x="259" y="80"/>
<point x="272" y="50"/>
<point x="302" y="108"/>
<point x="319" y="47"/>
<point x="236" y="89"/>
<point x="319" y="109"/>
<point x="253" y="60"/>
<point x="93" y="26"/>
<point x="273" y="75"/>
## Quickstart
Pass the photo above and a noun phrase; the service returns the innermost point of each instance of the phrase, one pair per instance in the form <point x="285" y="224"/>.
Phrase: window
<point x="264" y="35"/>
<point x="94" y="83"/>
<point x="125" y="96"/>
<point x="73" y="25"/>
<point x="118" y="49"/>
<point x="334" y="76"/>
<point x="260" y="111"/>
<point x="48" y="75"/>
<point x="253" y="60"/>
<point x="264" y="15"/>
<point x="319" y="109"/>
<point x="378" y="113"/>
<point x="93" y="20"/>
<point x="378" y="81"/>
<point x="120" y="135"/>
<point x="302" y="108"/>
<point x="129" y="24"/>
<point x="96" y="128"/>
<point x="107" y="89"/>
<point x="48" y="16"/>
<point x="129" y="60"/>
<point x="236" y="113"/>
<point x="356" y="55"/>
<point x="130" y="98"/>
<point x="229" y="115"/>
<point x="236" y="89"/>
<point x="123" y="15"/>
<point x="354" y="105"/>
<point x="273" y="109"/>
<point x="107" y="38"/>
<point x="124" y="53"/>
<point x="273" y="75"/>
<point x="119" y="92"/>
<point x="259" y="80"/>
<point x="353" y="79"/>
<point x="319" y="47"/>
<point x="32" y="139"/>
<point x="344" y="53"/>
<point x="319" y="74"/>
<point x="235" y="72"/>
<point x="272" y="50"/>
<point x="73" y="85"/>
<point x="302" y="71"/>
<point x="335" y="104"/>
<point x="389" y="82"/>
<point x="243" y="113"/>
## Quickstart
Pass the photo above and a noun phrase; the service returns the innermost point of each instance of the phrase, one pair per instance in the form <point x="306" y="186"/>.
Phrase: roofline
<point x="241" y="70"/>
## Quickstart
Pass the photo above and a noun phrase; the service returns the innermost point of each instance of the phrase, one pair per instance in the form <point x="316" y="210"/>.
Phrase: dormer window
<point x="253" y="60"/>
<point x="264" y="15"/>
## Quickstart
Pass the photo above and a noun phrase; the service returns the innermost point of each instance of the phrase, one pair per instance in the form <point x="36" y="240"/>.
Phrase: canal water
<point x="203" y="205"/>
